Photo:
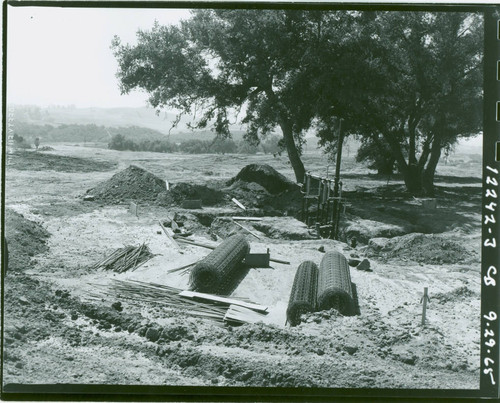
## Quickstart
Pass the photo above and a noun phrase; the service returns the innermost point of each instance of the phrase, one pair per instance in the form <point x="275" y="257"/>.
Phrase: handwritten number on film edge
<point x="489" y="278"/>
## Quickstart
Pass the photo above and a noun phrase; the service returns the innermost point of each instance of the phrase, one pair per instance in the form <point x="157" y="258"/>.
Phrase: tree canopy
<point x="408" y="81"/>
<point x="419" y="89"/>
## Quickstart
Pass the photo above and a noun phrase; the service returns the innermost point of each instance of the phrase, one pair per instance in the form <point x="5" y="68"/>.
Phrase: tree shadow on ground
<point x="456" y="208"/>
<point x="398" y="177"/>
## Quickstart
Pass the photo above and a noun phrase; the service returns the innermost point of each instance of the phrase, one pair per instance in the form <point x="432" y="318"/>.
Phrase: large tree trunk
<point x="412" y="176"/>
<point x="430" y="169"/>
<point x="293" y="152"/>
<point x="286" y="127"/>
<point x="412" y="173"/>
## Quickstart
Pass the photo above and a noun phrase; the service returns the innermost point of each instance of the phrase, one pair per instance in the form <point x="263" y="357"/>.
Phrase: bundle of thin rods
<point x="139" y="291"/>
<point x="126" y="258"/>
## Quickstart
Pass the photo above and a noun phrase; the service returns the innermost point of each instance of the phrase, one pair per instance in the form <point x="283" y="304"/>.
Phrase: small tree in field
<point x="37" y="143"/>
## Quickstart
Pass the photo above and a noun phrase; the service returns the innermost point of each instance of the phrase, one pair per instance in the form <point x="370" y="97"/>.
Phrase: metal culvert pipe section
<point x="214" y="274"/>
<point x="334" y="284"/>
<point x="303" y="295"/>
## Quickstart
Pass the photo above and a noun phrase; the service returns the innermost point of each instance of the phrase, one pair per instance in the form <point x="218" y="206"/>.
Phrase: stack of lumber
<point x="202" y="305"/>
<point x="141" y="292"/>
<point x="242" y="302"/>
<point x="238" y="315"/>
<point x="126" y="258"/>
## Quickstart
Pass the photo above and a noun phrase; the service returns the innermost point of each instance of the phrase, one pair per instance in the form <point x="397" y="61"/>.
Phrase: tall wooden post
<point x="424" y="299"/>
<point x="336" y="201"/>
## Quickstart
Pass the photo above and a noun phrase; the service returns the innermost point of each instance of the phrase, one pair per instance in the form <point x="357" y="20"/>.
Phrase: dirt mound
<point x="225" y="227"/>
<point x="25" y="238"/>
<point x="424" y="248"/>
<point x="288" y="202"/>
<point x="254" y="195"/>
<point x="461" y="293"/>
<point x="186" y="191"/>
<point x="283" y="228"/>
<point x="364" y="230"/>
<point x="266" y="176"/>
<point x="133" y="183"/>
<point x="33" y="161"/>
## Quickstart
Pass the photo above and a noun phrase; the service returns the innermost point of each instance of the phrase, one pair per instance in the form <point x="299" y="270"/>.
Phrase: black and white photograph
<point x="285" y="198"/>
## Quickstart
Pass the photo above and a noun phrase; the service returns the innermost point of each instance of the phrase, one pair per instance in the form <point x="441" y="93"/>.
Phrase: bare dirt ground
<point x="62" y="327"/>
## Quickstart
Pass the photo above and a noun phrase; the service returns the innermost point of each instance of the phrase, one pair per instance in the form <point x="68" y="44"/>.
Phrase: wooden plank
<point x="241" y="206"/>
<point x="229" y="301"/>
<point x="246" y="311"/>
<point x="170" y="237"/>
<point x="133" y="209"/>
<point x="247" y="230"/>
<point x="239" y="218"/>
<point x="315" y="177"/>
<point x="242" y="315"/>
<point x="174" y="226"/>
<point x="232" y="316"/>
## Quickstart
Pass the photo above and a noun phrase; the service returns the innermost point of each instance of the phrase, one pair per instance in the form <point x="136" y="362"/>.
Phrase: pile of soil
<point x="458" y="294"/>
<point x="25" y="238"/>
<point x="289" y="202"/>
<point x="251" y="194"/>
<point x="363" y="230"/>
<point x="186" y="191"/>
<point x="266" y="176"/>
<point x="190" y="222"/>
<point x="133" y="183"/>
<point x="423" y="248"/>
<point x="283" y="228"/>
<point x="224" y="227"/>
<point x="33" y="161"/>
<point x="261" y="186"/>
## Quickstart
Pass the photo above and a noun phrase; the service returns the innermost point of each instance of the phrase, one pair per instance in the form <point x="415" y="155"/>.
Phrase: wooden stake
<point x="424" y="299"/>
<point x="133" y="209"/>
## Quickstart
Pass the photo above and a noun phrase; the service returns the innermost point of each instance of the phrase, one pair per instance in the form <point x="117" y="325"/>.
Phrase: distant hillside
<point x="81" y="133"/>
<point x="144" y="124"/>
<point x="111" y="118"/>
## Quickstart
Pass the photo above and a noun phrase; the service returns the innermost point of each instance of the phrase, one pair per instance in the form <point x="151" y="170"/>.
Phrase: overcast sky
<point x="62" y="56"/>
